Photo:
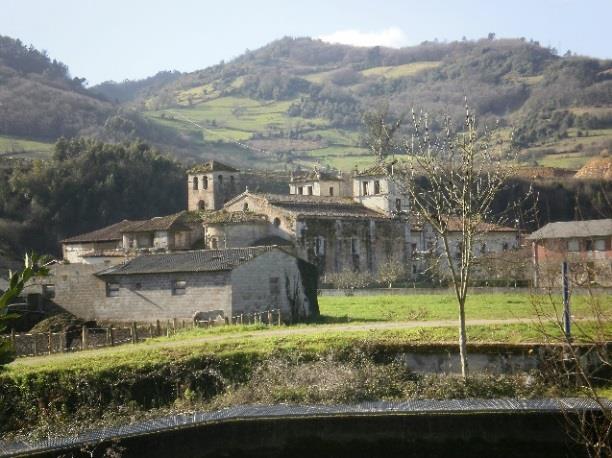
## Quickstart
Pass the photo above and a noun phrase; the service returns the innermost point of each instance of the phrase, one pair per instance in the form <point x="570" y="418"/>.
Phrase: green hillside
<point x="300" y="101"/>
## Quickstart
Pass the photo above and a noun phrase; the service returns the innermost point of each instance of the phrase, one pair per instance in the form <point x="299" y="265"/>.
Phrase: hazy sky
<point x="119" y="39"/>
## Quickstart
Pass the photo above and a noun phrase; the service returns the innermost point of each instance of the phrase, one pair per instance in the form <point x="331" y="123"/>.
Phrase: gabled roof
<point x="188" y="261"/>
<point x="569" y="229"/>
<point x="158" y="223"/>
<point x="211" y="166"/>
<point x="455" y="225"/>
<point x="375" y="171"/>
<point x="314" y="175"/>
<point x="340" y="207"/>
<point x="106" y="234"/>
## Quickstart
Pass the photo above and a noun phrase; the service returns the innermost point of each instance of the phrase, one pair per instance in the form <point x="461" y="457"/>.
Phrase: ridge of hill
<point x="300" y="101"/>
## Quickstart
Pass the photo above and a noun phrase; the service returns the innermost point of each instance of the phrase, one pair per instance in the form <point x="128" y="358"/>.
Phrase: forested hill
<point x="300" y="101"/>
<point x="38" y="97"/>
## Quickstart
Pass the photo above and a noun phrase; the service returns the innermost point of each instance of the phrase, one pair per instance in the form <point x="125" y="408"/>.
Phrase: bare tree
<point x="390" y="271"/>
<point x="451" y="180"/>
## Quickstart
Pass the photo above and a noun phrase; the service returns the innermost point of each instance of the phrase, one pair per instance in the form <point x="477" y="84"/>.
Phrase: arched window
<point x="195" y="183"/>
<point x="204" y="182"/>
<point x="232" y="180"/>
<point x="277" y="222"/>
<point x="245" y="207"/>
<point x="202" y="205"/>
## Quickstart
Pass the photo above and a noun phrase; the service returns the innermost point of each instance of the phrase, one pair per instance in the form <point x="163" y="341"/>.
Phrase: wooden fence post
<point x="134" y="333"/>
<point x="269" y="317"/>
<point x="34" y="344"/>
<point x="174" y="325"/>
<point x="111" y="331"/>
<point x="241" y="318"/>
<point x="50" y="342"/>
<point x="63" y="340"/>
<point x="167" y="328"/>
<point x="279" y="317"/>
<point x="13" y="338"/>
<point x="158" y="328"/>
<point x="84" y="337"/>
<point x="150" y="329"/>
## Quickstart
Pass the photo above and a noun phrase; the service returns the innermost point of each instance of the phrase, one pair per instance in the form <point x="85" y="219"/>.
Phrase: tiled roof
<point x="106" y="234"/>
<point x="159" y="223"/>
<point x="188" y="261"/>
<point x="563" y="230"/>
<point x="320" y="206"/>
<point x="314" y="175"/>
<point x="272" y="240"/>
<point x="225" y="217"/>
<point x="375" y="171"/>
<point x="211" y="166"/>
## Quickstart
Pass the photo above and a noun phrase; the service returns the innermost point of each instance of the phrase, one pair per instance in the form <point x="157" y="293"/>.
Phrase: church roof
<point x="225" y="217"/>
<point x="375" y="171"/>
<point x="158" y="223"/>
<point x="212" y="166"/>
<point x="341" y="207"/>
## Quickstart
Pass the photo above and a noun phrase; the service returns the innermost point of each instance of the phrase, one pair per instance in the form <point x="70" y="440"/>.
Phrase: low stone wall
<point x="415" y="291"/>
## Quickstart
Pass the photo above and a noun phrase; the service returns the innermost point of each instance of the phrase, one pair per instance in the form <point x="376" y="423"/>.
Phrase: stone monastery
<point x="335" y="221"/>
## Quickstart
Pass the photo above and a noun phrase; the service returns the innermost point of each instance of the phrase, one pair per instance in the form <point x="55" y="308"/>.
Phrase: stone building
<point x="179" y="285"/>
<point x="585" y="245"/>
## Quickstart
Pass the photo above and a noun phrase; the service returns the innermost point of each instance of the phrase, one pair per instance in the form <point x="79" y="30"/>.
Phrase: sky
<point x="130" y="39"/>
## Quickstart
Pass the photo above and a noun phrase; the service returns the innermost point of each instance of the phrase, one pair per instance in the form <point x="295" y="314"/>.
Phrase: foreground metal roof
<point x="569" y="229"/>
<point x="284" y="411"/>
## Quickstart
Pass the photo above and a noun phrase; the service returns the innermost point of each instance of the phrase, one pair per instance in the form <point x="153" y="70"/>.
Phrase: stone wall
<point x="270" y="281"/>
<point x="235" y="235"/>
<point x="219" y="188"/>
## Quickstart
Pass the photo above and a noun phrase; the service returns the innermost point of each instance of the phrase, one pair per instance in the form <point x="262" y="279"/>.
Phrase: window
<point x="377" y="187"/>
<point x="220" y="179"/>
<point x="232" y="181"/>
<point x="309" y="188"/>
<point x="588" y="245"/>
<point x="573" y="245"/>
<point x="137" y="286"/>
<point x="319" y="247"/>
<point x="48" y="291"/>
<point x="354" y="246"/>
<point x="414" y="268"/>
<point x="300" y="190"/>
<point x="179" y="287"/>
<point x="414" y="249"/>
<point x="195" y="183"/>
<point x="483" y="248"/>
<point x="277" y="222"/>
<point x="600" y="245"/>
<point x="331" y="190"/>
<point x="202" y="205"/>
<point x="505" y="246"/>
<point x="364" y="188"/>
<point x="274" y="286"/>
<point x="204" y="182"/>
<point x="245" y="207"/>
<point x="398" y="205"/>
<point x="112" y="289"/>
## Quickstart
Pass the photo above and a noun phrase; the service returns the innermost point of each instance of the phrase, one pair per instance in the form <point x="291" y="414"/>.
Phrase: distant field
<point x="399" y="71"/>
<point x="443" y="307"/>
<point x="571" y="161"/>
<point x="13" y="146"/>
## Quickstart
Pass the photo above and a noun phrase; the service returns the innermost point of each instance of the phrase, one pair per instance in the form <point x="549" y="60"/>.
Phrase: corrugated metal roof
<point x="188" y="261"/>
<point x="568" y="229"/>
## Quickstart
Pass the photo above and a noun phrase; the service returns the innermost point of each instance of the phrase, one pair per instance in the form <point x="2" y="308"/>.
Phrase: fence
<point x="79" y="338"/>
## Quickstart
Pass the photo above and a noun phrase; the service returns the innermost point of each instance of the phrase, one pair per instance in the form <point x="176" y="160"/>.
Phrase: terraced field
<point x="18" y="147"/>
<point x="399" y="71"/>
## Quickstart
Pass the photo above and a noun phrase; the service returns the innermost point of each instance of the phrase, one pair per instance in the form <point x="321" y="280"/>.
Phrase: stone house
<point x="178" y="285"/>
<point x="103" y="246"/>
<point x="585" y="245"/>
<point x="319" y="183"/>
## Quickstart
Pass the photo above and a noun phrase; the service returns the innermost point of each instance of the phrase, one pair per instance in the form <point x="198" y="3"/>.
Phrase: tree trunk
<point x="463" y="340"/>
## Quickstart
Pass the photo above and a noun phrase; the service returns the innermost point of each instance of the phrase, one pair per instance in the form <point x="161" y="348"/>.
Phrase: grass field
<point x="443" y="307"/>
<point x="13" y="146"/>
<point x="399" y="71"/>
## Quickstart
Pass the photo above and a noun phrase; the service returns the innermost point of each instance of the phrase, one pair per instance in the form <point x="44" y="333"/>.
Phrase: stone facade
<point x="271" y="279"/>
<point x="210" y="185"/>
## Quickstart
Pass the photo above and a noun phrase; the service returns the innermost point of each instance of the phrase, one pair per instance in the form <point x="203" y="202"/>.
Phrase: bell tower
<point x="210" y="185"/>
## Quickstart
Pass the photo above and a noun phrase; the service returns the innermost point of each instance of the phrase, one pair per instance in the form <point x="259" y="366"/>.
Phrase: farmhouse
<point x="179" y="285"/>
<point x="585" y="245"/>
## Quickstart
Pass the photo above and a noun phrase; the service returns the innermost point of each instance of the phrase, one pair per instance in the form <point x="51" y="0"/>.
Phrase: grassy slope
<point x="20" y="147"/>
<point x="316" y="338"/>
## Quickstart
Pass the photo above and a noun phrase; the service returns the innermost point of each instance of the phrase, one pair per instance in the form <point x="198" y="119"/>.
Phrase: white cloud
<point x="392" y="37"/>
